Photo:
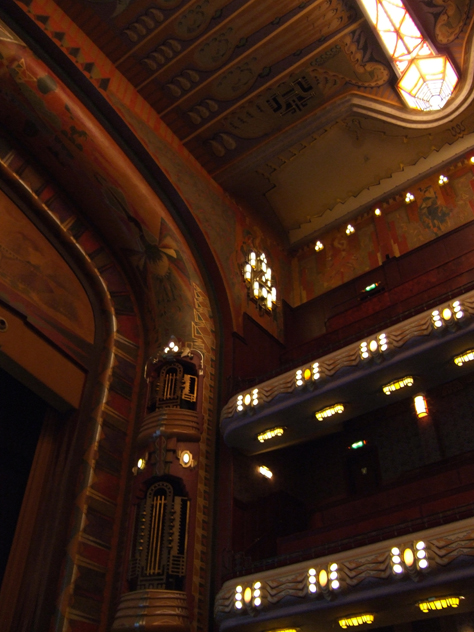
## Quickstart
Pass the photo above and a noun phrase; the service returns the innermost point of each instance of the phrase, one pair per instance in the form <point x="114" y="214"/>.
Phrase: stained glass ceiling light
<point x="427" y="80"/>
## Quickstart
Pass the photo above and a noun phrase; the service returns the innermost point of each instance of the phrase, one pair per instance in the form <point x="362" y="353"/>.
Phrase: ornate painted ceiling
<point x="290" y="105"/>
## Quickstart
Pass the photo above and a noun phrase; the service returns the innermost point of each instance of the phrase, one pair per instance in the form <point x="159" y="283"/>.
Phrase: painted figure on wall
<point x="433" y="215"/>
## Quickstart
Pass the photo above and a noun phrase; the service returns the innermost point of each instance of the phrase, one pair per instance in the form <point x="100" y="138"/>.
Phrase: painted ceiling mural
<point x="246" y="85"/>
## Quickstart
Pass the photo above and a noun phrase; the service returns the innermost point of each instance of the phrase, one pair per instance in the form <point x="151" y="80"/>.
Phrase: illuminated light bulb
<point x="442" y="180"/>
<point x="333" y="567"/>
<point x="373" y="346"/>
<point x="312" y="571"/>
<point x="421" y="554"/>
<point x="318" y="246"/>
<point x="274" y="294"/>
<point x="269" y="301"/>
<point x="253" y="259"/>
<point x="335" y="584"/>
<point x="312" y="580"/>
<point x="256" y="593"/>
<point x="409" y="198"/>
<point x="141" y="464"/>
<point x="238" y="597"/>
<point x="257" y="601"/>
<point x="238" y="589"/>
<point x="238" y="605"/>
<point x="312" y="588"/>
<point x="395" y="551"/>
<point x="264" y="471"/>
<point x="378" y="212"/>
<point x="255" y="289"/>
<point x="167" y="349"/>
<point x="333" y="575"/>
<point x="423" y="564"/>
<point x="447" y="313"/>
<point x="257" y="585"/>
<point x="350" y="229"/>
<point x="247" y="399"/>
<point x="307" y="374"/>
<point x="383" y="342"/>
<point x="397" y="568"/>
<point x="396" y="559"/>
<point x="420" y="545"/>
<point x="323" y="578"/>
<point x="186" y="457"/>
<point x="408" y="557"/>
<point x="248" y="272"/>
<point x="316" y="373"/>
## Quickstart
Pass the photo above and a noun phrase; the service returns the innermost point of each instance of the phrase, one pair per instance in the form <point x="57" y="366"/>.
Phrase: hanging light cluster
<point x="412" y="559"/>
<point x="437" y="603"/>
<point x="427" y="80"/>
<point x="308" y="375"/>
<point x="258" y="279"/>
<point x="247" y="401"/>
<point x="374" y="348"/>
<point x="447" y="315"/>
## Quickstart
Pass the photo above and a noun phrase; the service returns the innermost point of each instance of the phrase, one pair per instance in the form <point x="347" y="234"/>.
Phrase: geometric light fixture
<point x="442" y="180"/>
<point x="269" y="434"/>
<point x="374" y="347"/>
<point x="258" y="279"/>
<point x="247" y="400"/>
<point x="397" y="385"/>
<point x="356" y="620"/>
<point x="428" y="83"/>
<point x="307" y="375"/>
<point x="264" y="471"/>
<point x="467" y="356"/>
<point x="350" y="229"/>
<point x="329" y="411"/>
<point x="318" y="246"/>
<point x="447" y="316"/>
<point x="437" y="603"/>
<point x="421" y="406"/>
<point x="413" y="559"/>
<point x="427" y="80"/>
<point x="409" y="198"/>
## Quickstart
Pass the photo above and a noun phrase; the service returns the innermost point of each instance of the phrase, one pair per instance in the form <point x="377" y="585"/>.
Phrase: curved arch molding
<point x="115" y="397"/>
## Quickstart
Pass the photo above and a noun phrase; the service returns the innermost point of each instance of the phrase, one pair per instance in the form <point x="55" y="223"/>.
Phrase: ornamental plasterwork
<point x="420" y="326"/>
<point x="443" y="545"/>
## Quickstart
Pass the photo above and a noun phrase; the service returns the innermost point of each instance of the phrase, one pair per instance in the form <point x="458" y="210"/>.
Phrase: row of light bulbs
<point x="409" y="199"/>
